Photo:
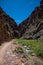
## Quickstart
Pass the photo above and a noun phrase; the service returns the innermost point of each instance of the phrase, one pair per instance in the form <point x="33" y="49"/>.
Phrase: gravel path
<point x="7" y="57"/>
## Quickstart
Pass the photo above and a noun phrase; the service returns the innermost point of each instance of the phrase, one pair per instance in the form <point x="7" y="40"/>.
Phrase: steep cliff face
<point x="8" y="27"/>
<point x="32" y="27"/>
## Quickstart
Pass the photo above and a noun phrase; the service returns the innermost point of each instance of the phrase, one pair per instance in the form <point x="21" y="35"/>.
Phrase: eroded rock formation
<point x="32" y="27"/>
<point x="8" y="27"/>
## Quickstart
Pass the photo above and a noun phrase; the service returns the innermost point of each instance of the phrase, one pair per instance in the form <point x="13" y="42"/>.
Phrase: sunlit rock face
<point x="32" y="27"/>
<point x="8" y="27"/>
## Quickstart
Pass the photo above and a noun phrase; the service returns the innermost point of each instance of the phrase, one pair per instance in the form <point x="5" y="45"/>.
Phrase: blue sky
<point x="19" y="10"/>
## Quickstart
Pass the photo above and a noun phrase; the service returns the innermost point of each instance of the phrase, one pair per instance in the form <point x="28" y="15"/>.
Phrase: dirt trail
<point x="3" y="48"/>
<point x="6" y="55"/>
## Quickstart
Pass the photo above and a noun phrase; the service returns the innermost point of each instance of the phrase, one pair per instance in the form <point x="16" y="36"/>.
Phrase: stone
<point x="33" y="54"/>
<point x="19" y="50"/>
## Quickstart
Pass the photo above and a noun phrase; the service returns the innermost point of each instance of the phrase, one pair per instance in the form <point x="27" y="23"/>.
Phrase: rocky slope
<point x="32" y="27"/>
<point x="8" y="27"/>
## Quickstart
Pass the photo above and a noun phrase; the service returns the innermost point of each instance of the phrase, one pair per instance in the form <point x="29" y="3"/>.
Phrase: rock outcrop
<point x="8" y="27"/>
<point x="32" y="27"/>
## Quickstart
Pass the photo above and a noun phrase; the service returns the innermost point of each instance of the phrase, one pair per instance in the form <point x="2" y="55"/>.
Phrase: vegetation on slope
<point x="35" y="45"/>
